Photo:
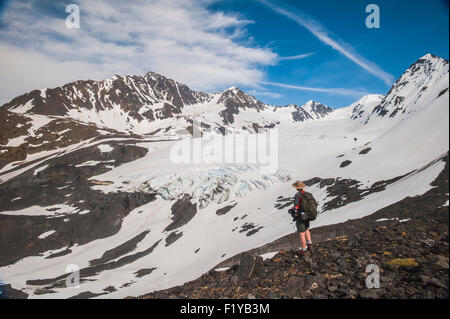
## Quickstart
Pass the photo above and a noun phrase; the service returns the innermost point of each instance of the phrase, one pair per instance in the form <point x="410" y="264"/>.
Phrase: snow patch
<point x="16" y="141"/>
<point x="46" y="234"/>
<point x="36" y="171"/>
<point x="93" y="163"/>
<point x="105" y="148"/>
<point x="269" y="255"/>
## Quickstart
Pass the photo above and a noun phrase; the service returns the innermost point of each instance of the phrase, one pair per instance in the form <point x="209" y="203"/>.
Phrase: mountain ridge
<point x="61" y="175"/>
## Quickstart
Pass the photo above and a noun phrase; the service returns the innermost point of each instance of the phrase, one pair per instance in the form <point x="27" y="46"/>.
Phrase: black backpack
<point x="309" y="206"/>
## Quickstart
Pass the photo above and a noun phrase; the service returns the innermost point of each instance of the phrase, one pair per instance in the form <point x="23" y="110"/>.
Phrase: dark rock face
<point x="87" y="295"/>
<point x="234" y="100"/>
<point x="319" y="110"/>
<point x="182" y="212"/>
<point x="173" y="237"/>
<point x="249" y="228"/>
<point x="442" y="92"/>
<point x="63" y="182"/>
<point x="246" y="267"/>
<point x="300" y="115"/>
<point x="284" y="202"/>
<point x="315" y="111"/>
<point x="357" y="112"/>
<point x="224" y="210"/>
<point x="345" y="163"/>
<point x="365" y="151"/>
<point x="121" y="250"/>
<point x="13" y="125"/>
<point x="144" y="272"/>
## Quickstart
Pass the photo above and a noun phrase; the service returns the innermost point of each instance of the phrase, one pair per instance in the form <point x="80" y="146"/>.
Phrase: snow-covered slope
<point x="362" y="108"/>
<point x="164" y="221"/>
<point x="423" y="82"/>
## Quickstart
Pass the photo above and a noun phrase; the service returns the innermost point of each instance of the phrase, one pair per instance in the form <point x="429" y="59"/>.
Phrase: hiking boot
<point x="309" y="247"/>
<point x="301" y="253"/>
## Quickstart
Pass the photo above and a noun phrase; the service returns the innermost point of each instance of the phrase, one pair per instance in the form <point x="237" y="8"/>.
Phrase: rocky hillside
<point x="408" y="241"/>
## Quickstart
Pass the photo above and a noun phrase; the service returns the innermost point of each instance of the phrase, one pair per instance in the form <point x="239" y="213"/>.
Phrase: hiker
<point x="303" y="213"/>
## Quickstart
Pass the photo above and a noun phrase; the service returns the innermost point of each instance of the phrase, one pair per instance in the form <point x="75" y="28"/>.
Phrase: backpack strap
<point x="300" y="200"/>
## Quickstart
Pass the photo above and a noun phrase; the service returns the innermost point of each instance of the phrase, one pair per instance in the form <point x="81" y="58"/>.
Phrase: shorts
<point x="302" y="225"/>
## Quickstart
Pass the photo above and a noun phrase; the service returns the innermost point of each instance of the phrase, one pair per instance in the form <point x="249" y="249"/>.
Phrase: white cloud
<point x="320" y="32"/>
<point x="23" y="71"/>
<point x="179" y="39"/>
<point x="264" y="93"/>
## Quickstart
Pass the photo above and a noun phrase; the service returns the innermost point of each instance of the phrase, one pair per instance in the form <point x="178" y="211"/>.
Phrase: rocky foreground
<point x="412" y="256"/>
<point x="408" y="241"/>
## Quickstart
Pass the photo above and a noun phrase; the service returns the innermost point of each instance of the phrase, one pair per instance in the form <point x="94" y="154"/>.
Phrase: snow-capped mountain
<point x="89" y="176"/>
<point x="311" y="110"/>
<point x="423" y="82"/>
<point x="131" y="103"/>
<point x="153" y="104"/>
<point x="316" y="110"/>
<point x="149" y="97"/>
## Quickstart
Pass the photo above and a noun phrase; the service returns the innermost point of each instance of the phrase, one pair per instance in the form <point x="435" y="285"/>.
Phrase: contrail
<point x="321" y="33"/>
<point x="296" y="57"/>
<point x="338" y="91"/>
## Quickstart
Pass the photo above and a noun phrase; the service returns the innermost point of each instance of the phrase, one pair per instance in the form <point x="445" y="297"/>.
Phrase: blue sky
<point x="280" y="51"/>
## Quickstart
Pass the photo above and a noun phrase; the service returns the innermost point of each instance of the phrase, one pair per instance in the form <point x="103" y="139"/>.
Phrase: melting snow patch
<point x="14" y="199"/>
<point x="16" y="141"/>
<point x="88" y="163"/>
<point x="24" y="107"/>
<point x="394" y="218"/>
<point x="222" y="269"/>
<point x="93" y="163"/>
<point x="39" y="169"/>
<point x="384" y="219"/>
<point x="46" y="234"/>
<point x="269" y="255"/>
<point x="105" y="148"/>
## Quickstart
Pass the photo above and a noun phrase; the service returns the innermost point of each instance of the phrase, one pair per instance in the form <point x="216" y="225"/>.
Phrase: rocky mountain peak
<point x="317" y="110"/>
<point x="235" y="100"/>
<point x="412" y="90"/>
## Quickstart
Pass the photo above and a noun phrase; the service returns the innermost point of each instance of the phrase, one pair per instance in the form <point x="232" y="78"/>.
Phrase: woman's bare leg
<point x="303" y="240"/>
<point x="308" y="236"/>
